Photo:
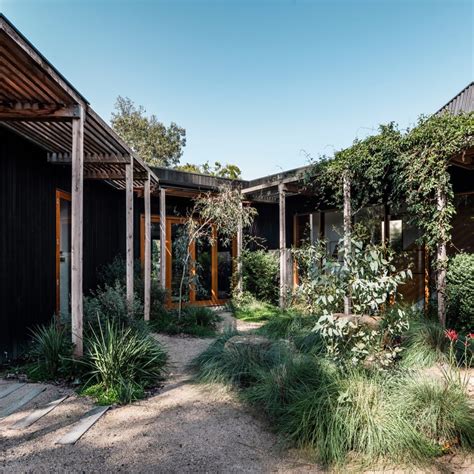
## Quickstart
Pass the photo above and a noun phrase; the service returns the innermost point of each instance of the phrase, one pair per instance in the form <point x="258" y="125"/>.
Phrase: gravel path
<point x="183" y="428"/>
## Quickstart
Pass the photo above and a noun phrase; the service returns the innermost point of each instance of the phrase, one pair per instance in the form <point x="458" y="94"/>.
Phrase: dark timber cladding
<point x="27" y="240"/>
<point x="40" y="105"/>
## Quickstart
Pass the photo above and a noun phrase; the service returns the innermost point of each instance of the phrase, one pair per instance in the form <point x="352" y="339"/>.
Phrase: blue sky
<point x="259" y="83"/>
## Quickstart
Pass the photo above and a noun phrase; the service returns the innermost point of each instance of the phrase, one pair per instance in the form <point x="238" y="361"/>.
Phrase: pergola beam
<point x="37" y="111"/>
<point x="65" y="158"/>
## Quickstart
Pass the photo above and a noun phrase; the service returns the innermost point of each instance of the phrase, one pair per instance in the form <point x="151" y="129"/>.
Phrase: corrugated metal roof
<point x="462" y="102"/>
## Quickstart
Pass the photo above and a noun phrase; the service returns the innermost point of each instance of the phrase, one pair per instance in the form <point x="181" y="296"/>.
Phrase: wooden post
<point x="282" y="223"/>
<point x="163" y="237"/>
<point x="347" y="234"/>
<point x="147" y="253"/>
<point x="239" y="286"/>
<point x="441" y="260"/>
<point x="77" y="187"/>
<point x="129" y="229"/>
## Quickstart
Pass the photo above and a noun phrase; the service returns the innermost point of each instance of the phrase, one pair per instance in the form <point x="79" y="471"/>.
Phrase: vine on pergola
<point x="404" y="170"/>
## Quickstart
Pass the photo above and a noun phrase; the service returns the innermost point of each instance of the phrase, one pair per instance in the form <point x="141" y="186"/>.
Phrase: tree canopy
<point x="153" y="141"/>
<point x="227" y="170"/>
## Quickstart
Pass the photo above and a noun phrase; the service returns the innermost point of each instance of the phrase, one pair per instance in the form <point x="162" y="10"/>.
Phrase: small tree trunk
<point x="347" y="234"/>
<point x="441" y="261"/>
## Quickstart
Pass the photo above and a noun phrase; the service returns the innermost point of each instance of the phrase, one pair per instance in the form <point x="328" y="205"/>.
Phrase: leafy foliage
<point x="51" y="352"/>
<point x="195" y="320"/>
<point x="260" y="274"/>
<point x="121" y="362"/>
<point x="228" y="171"/>
<point x="460" y="292"/>
<point x="157" y="144"/>
<point x="225" y="212"/>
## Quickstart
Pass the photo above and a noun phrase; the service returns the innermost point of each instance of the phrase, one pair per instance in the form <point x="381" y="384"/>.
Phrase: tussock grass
<point x="426" y="344"/>
<point x="343" y="415"/>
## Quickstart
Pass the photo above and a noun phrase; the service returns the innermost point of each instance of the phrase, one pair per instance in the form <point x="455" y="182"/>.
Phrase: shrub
<point x="121" y="361"/>
<point x="195" y="320"/>
<point x="260" y="275"/>
<point x="460" y="292"/>
<point x="110" y="303"/>
<point x="51" y="352"/>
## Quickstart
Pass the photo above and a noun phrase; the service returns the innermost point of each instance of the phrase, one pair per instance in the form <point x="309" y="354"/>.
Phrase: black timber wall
<point x="27" y="235"/>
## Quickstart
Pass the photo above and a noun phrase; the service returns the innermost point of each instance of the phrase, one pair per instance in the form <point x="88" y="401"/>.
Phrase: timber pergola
<point x="275" y="189"/>
<point x="38" y="103"/>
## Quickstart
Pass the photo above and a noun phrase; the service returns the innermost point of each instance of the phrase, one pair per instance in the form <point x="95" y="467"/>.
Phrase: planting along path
<point x="183" y="428"/>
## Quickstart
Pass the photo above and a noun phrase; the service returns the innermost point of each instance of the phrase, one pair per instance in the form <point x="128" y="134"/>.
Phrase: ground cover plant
<point x="247" y="307"/>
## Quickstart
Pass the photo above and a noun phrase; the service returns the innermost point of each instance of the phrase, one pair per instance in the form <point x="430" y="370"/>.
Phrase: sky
<point x="265" y="83"/>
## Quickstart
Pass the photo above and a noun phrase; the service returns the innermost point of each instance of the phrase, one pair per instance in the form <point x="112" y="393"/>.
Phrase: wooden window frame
<point x="64" y="195"/>
<point x="214" y="301"/>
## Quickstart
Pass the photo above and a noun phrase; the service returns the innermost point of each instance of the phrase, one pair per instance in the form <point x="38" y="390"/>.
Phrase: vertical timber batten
<point x="163" y="237"/>
<point x="129" y="229"/>
<point x="77" y="188"/>
<point x="147" y="252"/>
<point x="282" y="225"/>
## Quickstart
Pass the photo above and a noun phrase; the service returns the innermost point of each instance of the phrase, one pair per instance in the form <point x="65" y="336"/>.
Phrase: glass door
<point x="63" y="253"/>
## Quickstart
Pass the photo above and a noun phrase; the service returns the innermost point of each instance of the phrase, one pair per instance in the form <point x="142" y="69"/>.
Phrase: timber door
<point x="63" y="253"/>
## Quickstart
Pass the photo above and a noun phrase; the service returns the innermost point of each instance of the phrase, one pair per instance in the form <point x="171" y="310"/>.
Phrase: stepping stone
<point x="10" y="388"/>
<point x="31" y="393"/>
<point x="82" y="426"/>
<point x="34" y="416"/>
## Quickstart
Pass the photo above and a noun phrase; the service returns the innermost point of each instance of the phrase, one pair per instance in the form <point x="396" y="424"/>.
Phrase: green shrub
<point x="51" y="352"/>
<point x="110" y="303"/>
<point x="260" y="275"/>
<point x="122" y="361"/>
<point x="440" y="409"/>
<point x="460" y="292"/>
<point x="195" y="320"/>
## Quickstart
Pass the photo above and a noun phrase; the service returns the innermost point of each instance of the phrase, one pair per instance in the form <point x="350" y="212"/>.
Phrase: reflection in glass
<point x="224" y="268"/>
<point x="203" y="262"/>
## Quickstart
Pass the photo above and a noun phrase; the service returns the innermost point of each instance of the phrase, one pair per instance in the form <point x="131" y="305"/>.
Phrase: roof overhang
<point x="38" y="103"/>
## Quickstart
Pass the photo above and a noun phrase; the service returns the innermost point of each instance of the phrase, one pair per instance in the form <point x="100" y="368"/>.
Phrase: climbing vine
<point x="407" y="170"/>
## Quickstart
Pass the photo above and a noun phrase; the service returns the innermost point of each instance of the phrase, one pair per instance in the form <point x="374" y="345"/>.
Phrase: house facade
<point x="73" y="196"/>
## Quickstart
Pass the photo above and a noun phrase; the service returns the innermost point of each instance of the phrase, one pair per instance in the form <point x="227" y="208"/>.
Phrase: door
<point x="63" y="253"/>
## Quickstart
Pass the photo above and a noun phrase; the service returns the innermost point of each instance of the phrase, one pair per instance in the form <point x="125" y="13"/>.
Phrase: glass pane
<point x="179" y="246"/>
<point x="333" y="231"/>
<point x="369" y="224"/>
<point x="155" y="251"/>
<point x="224" y="269"/>
<point x="64" y="257"/>
<point x="203" y="264"/>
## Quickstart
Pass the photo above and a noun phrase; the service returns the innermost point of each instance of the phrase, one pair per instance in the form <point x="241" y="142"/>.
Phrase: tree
<point x="225" y="211"/>
<point x="153" y="141"/>
<point x="218" y="169"/>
